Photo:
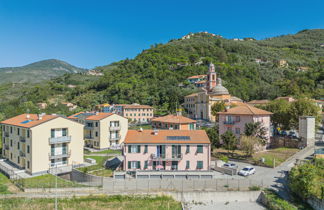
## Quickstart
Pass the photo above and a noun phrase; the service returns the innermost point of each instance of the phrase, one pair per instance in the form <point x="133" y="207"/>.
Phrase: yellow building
<point x="198" y="105"/>
<point x="102" y="130"/>
<point x="37" y="142"/>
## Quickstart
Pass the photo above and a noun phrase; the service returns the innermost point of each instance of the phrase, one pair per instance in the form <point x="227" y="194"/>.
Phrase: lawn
<point x="95" y="169"/>
<point x="278" y="154"/>
<point x="108" y="151"/>
<point x="47" y="181"/>
<point x="4" y="184"/>
<point x="94" y="202"/>
<point x="136" y="127"/>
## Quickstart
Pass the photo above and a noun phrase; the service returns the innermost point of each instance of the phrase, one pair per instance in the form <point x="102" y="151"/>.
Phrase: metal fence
<point x="180" y="185"/>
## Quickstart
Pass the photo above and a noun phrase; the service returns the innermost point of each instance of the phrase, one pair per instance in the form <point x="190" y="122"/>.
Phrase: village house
<point x="167" y="150"/>
<point x="196" y="78"/>
<point x="198" y="105"/>
<point x="42" y="105"/>
<point x="282" y="63"/>
<point x="286" y="98"/>
<point x="175" y="122"/>
<point x="139" y="114"/>
<point x="235" y="119"/>
<point x="102" y="130"/>
<point x="36" y="143"/>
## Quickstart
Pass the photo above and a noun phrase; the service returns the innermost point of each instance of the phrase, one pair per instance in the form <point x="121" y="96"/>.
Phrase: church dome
<point x="219" y="89"/>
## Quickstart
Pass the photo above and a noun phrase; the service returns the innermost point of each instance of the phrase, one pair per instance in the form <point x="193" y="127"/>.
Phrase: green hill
<point x="36" y="72"/>
<point x="157" y="76"/>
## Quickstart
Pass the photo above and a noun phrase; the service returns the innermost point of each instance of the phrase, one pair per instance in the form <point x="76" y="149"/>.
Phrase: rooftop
<point x="197" y="76"/>
<point x="246" y="110"/>
<point x="91" y="115"/>
<point x="167" y="137"/>
<point x="138" y="106"/>
<point x="28" y="120"/>
<point x="173" y="119"/>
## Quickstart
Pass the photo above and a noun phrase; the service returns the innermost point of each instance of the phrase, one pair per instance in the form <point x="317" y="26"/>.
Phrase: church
<point x="198" y="105"/>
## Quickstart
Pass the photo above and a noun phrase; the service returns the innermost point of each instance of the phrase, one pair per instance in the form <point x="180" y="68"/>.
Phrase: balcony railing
<point x="114" y="138"/>
<point x="157" y="156"/>
<point x="22" y="139"/>
<point x="164" y="157"/>
<point x="89" y="128"/>
<point x="229" y="122"/>
<point x="114" y="128"/>
<point x="22" y="154"/>
<point x="88" y="137"/>
<point x="58" y="140"/>
<point x="62" y="155"/>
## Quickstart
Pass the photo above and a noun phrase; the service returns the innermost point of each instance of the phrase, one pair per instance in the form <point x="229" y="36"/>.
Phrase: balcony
<point x="89" y="127"/>
<point x="58" y="140"/>
<point x="65" y="154"/>
<point x="175" y="157"/>
<point x="22" y="154"/>
<point x="229" y="122"/>
<point x="114" y="128"/>
<point x="6" y="134"/>
<point x="89" y="137"/>
<point x="22" y="139"/>
<point x="114" y="138"/>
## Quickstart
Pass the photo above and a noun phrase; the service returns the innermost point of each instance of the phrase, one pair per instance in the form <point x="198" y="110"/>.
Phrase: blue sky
<point x="97" y="32"/>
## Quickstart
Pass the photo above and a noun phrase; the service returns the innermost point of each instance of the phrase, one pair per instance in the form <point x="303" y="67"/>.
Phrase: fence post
<point x="148" y="185"/>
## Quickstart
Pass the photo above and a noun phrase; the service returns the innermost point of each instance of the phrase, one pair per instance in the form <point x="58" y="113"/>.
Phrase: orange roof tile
<point x="173" y="119"/>
<point x="246" y="110"/>
<point x="197" y="76"/>
<point x="99" y="116"/>
<point x="74" y="115"/>
<point x="32" y="121"/>
<point x="135" y="106"/>
<point x="148" y="137"/>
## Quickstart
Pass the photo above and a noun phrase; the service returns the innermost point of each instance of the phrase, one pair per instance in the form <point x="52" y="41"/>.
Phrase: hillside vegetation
<point x="37" y="72"/>
<point x="157" y="76"/>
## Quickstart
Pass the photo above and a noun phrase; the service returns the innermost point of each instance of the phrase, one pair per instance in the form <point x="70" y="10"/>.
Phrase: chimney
<point x="97" y="113"/>
<point x="27" y="116"/>
<point x="155" y="132"/>
<point x="140" y="129"/>
<point x="40" y="117"/>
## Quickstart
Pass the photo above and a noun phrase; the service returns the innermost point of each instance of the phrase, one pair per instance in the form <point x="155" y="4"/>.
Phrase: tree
<point x="229" y="141"/>
<point x="213" y="136"/>
<point x="303" y="107"/>
<point x="280" y="116"/>
<point x="255" y="129"/>
<point x="302" y="180"/>
<point x="217" y="107"/>
<point x="249" y="144"/>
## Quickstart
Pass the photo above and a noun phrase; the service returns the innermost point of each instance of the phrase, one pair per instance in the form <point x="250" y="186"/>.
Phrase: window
<point x="18" y="160"/>
<point x="64" y="132"/>
<point x="199" y="148"/>
<point x="188" y="149"/>
<point x="27" y="148"/>
<point x="237" y="119"/>
<point x="187" y="164"/>
<point x="237" y="131"/>
<point x="28" y="164"/>
<point x="18" y="131"/>
<point x="11" y="142"/>
<point x="10" y="129"/>
<point x="176" y="151"/>
<point x="97" y="124"/>
<point x="52" y="133"/>
<point x="200" y="164"/>
<point x="134" y="148"/>
<point x="134" y="164"/>
<point x="145" y="164"/>
<point x="96" y="133"/>
<point x="18" y="145"/>
<point x="145" y="148"/>
<point x="28" y="133"/>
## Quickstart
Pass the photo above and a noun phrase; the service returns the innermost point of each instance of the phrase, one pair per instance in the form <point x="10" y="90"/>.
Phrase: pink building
<point x="167" y="150"/>
<point x="174" y="122"/>
<point x="234" y="119"/>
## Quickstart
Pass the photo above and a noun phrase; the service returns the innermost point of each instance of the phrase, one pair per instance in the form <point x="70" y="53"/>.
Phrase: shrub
<point x="254" y="188"/>
<point x="224" y="158"/>
<point x="3" y="188"/>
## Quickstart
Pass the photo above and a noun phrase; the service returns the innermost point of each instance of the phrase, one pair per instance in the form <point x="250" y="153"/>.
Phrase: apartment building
<point x="102" y="130"/>
<point x="37" y="142"/>
<point x="236" y="118"/>
<point x="167" y="150"/>
<point x="174" y="122"/>
<point x="140" y="114"/>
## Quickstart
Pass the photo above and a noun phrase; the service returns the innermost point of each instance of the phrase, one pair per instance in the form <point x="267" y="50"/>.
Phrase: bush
<point x="224" y="158"/>
<point x="3" y="188"/>
<point x="274" y="202"/>
<point x="254" y="188"/>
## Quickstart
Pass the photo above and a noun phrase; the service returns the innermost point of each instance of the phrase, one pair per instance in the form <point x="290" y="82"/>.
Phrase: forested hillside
<point x="157" y="76"/>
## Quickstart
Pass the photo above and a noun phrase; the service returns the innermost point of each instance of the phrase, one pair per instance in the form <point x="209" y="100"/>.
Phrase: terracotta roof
<point x="135" y="106"/>
<point x="200" y="82"/>
<point x="193" y="94"/>
<point x="173" y="119"/>
<point x="197" y="76"/>
<point x="246" y="110"/>
<point x="99" y="116"/>
<point x="32" y="121"/>
<point x="258" y="101"/>
<point x="167" y="137"/>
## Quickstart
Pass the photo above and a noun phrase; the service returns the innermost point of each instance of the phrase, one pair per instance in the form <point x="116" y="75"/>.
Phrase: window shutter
<point x="138" y="164"/>
<point x="129" y="148"/>
<point x="129" y="164"/>
<point x="163" y="150"/>
<point x="138" y="148"/>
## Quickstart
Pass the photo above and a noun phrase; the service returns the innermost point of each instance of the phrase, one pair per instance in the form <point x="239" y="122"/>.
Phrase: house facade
<point x="36" y="143"/>
<point x="198" y="105"/>
<point x="174" y="122"/>
<point x="236" y="118"/>
<point x="140" y="114"/>
<point x="168" y="150"/>
<point x="102" y="130"/>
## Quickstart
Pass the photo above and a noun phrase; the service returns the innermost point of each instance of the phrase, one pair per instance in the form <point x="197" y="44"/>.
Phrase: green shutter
<point x="179" y="150"/>
<point x="138" y="148"/>
<point x="145" y="164"/>
<point x="129" y="148"/>
<point x="199" y="164"/>
<point x="188" y="149"/>
<point x="138" y="164"/>
<point x="145" y="149"/>
<point x="129" y="164"/>
<point x="187" y="164"/>
<point x="173" y="150"/>
<point x="163" y="151"/>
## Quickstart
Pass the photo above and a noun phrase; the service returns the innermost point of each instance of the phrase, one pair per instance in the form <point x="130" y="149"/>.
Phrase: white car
<point x="246" y="171"/>
<point x="230" y="165"/>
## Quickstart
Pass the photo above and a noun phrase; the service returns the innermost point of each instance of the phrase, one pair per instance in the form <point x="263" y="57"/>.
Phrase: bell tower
<point x="211" y="77"/>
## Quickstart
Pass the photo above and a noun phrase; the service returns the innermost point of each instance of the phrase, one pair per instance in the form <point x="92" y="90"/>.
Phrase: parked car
<point x="230" y="165"/>
<point x="246" y="171"/>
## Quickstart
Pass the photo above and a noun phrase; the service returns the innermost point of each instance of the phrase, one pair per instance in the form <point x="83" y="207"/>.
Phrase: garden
<point x="98" y="169"/>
